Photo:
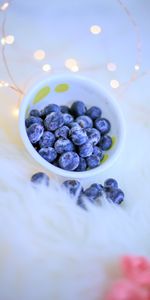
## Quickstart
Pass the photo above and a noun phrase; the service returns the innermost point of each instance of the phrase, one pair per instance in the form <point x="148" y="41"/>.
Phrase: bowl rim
<point x="50" y="167"/>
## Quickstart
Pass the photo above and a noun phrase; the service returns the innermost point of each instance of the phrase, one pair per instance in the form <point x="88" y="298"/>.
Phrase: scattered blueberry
<point x="47" y="139"/>
<point x="84" y="121"/>
<point x="74" y="187"/>
<point x="69" y="161"/>
<point x="82" y="165"/>
<point x="86" y="149"/>
<point x="116" y="196"/>
<point x="93" y="161"/>
<point x="39" y="178"/>
<point x="81" y="201"/>
<point x="110" y="184"/>
<point x="78" y="108"/>
<point x="94" y="191"/>
<point x="64" y="109"/>
<point x="35" y="113"/>
<point x="63" y="145"/>
<point x="105" y="142"/>
<point x="74" y="124"/>
<point x="98" y="152"/>
<point x="51" y="108"/>
<point x="53" y="121"/>
<point x="62" y="132"/>
<point x="33" y="120"/>
<point x="93" y="135"/>
<point x="48" y="154"/>
<point x="67" y="118"/>
<point x="103" y="125"/>
<point x="94" y="112"/>
<point x="35" y="132"/>
<point x="78" y="136"/>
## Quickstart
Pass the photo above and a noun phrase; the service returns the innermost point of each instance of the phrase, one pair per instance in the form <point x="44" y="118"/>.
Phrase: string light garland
<point x="39" y="54"/>
<point x="95" y="29"/>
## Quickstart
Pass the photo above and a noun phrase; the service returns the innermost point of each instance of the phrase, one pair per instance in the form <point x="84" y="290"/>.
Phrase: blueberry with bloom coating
<point x="110" y="184"/>
<point x="98" y="152"/>
<point x="62" y="132"/>
<point x="33" y="120"/>
<point x="47" y="139"/>
<point x="93" y="161"/>
<point x="35" y="132"/>
<point x="78" y="108"/>
<point x="63" y="145"/>
<point x="115" y="195"/>
<point x="40" y="178"/>
<point x="34" y="113"/>
<point x="93" y="135"/>
<point x="84" y="122"/>
<point x="69" y="161"/>
<point x="94" y="112"/>
<point x="74" y="187"/>
<point x="53" y="121"/>
<point x="86" y="149"/>
<point x="67" y="118"/>
<point x="82" y="165"/>
<point x="103" y="125"/>
<point x="105" y="142"/>
<point x="74" y="124"/>
<point x="64" y="109"/>
<point x="48" y="154"/>
<point x="94" y="191"/>
<point x="78" y="136"/>
<point x="51" y="108"/>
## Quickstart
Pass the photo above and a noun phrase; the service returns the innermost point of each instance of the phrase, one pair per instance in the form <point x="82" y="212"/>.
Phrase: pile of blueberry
<point x="93" y="193"/>
<point x="73" y="139"/>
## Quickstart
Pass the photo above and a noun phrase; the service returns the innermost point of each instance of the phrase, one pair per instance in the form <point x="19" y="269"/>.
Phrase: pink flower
<point x="132" y="266"/>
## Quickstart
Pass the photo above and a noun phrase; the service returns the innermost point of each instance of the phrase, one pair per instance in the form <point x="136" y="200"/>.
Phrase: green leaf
<point x="63" y="87"/>
<point x="41" y="94"/>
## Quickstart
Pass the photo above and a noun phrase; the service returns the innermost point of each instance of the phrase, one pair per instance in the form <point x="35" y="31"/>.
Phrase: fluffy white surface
<point x="52" y="249"/>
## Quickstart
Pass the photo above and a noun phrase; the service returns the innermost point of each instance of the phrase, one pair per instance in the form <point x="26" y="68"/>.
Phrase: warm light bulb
<point x="9" y="39"/>
<point x="111" y="67"/>
<point x="70" y="62"/>
<point x="114" y="83"/>
<point x="3" y="83"/>
<point x="95" y="29"/>
<point x="39" y="54"/>
<point x="136" y="67"/>
<point x="15" y="112"/>
<point x="46" y="67"/>
<point x="4" y="6"/>
<point x="74" y="68"/>
<point x="3" y="41"/>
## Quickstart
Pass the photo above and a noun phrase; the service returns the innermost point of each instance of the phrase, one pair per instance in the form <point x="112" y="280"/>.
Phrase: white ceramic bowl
<point x="65" y="89"/>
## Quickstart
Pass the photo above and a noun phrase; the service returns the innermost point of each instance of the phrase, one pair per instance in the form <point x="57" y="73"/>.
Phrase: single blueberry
<point x="93" y="161"/>
<point x="67" y="118"/>
<point x="63" y="145"/>
<point x="74" y="187"/>
<point x="84" y="121"/>
<point x="53" y="121"/>
<point x="105" y="142"/>
<point x="47" y="139"/>
<point x="69" y="161"/>
<point x="35" y="113"/>
<point x="64" y="109"/>
<point x="33" y="120"/>
<point x="110" y="184"/>
<point x="98" y="152"/>
<point x="62" y="132"/>
<point x="35" y="132"/>
<point x="103" y="125"/>
<point x="50" y="108"/>
<point x="81" y="201"/>
<point x="78" y="108"/>
<point x="93" y="135"/>
<point x="82" y="165"/>
<point x="94" y="191"/>
<point x="86" y="149"/>
<point x="74" y="124"/>
<point x="78" y="136"/>
<point x="94" y="112"/>
<point x="115" y="195"/>
<point x="39" y="178"/>
<point x="48" y="154"/>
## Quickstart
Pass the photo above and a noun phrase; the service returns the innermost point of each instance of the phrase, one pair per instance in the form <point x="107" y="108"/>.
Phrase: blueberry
<point x="78" y="108"/>
<point x="74" y="124"/>
<point x="53" y="121"/>
<point x="105" y="142"/>
<point x="82" y="165"/>
<point x="64" y="109"/>
<point x="63" y="145"/>
<point x="81" y="201"/>
<point x="110" y="184"/>
<point x="103" y="125"/>
<point x="93" y="161"/>
<point x="94" y="112"/>
<point x="84" y="122"/>
<point x="47" y="139"/>
<point x="35" y="132"/>
<point x="35" y="113"/>
<point x="48" y="154"/>
<point x="94" y="191"/>
<point x="93" y="135"/>
<point x="86" y="150"/>
<point x="33" y="120"/>
<point x="56" y="163"/>
<point x="98" y="152"/>
<point x="78" y="136"/>
<point x="39" y="178"/>
<point x="62" y="132"/>
<point x="74" y="187"/>
<point x="116" y="196"/>
<point x="67" y="118"/>
<point x="50" y="108"/>
<point x="69" y="161"/>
